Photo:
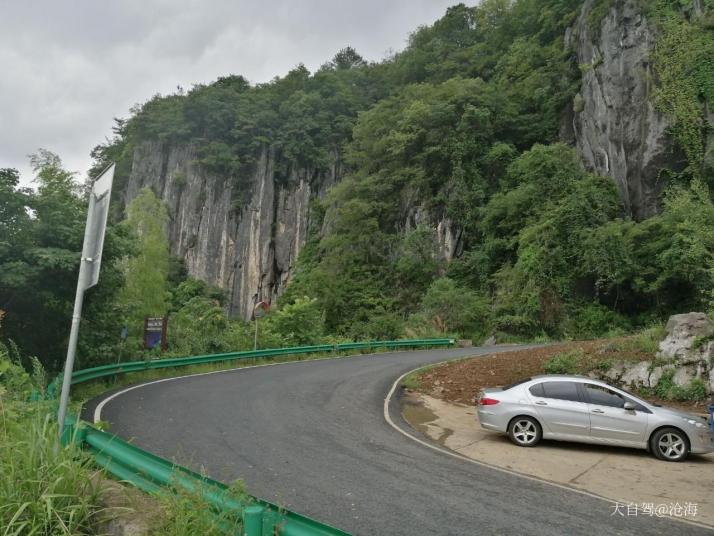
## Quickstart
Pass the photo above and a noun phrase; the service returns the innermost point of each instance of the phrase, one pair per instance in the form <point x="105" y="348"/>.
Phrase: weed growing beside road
<point x="44" y="489"/>
<point x="188" y="514"/>
<point x="50" y="489"/>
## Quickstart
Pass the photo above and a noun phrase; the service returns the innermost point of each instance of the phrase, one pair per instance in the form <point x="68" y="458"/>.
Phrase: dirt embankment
<point x="461" y="381"/>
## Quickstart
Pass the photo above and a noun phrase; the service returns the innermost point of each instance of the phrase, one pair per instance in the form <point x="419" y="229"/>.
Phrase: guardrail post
<point x="253" y="521"/>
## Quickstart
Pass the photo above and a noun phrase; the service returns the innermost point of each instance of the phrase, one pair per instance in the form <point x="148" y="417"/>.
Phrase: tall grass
<point x="44" y="489"/>
<point x="47" y="489"/>
<point x="189" y="513"/>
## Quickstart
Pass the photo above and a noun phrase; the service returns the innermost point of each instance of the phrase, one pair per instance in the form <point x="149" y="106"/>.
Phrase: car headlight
<point x="694" y="422"/>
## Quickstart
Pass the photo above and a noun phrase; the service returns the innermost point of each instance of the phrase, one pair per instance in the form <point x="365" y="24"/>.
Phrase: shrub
<point x="594" y="320"/>
<point x="382" y="325"/>
<point x="17" y="383"/>
<point x="198" y="327"/>
<point x="605" y="365"/>
<point x="648" y="339"/>
<point x="564" y="363"/>
<point x="298" y="323"/>
<point x="665" y="384"/>
<point x="696" y="390"/>
<point x="455" y="308"/>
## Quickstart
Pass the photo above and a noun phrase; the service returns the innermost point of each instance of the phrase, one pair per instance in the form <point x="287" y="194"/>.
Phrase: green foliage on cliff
<point x="684" y="62"/>
<point x="451" y="148"/>
<point x="146" y="269"/>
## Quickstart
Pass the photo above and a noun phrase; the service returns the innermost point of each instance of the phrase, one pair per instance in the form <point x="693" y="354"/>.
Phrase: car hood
<point x="671" y="412"/>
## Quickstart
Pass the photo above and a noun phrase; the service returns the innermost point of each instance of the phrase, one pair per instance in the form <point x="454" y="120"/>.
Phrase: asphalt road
<point x="312" y="436"/>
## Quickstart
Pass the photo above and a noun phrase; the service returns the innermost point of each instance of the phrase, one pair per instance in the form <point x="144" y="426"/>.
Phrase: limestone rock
<point x="683" y="377"/>
<point x="682" y="331"/>
<point x="491" y="341"/>
<point x="657" y="373"/>
<point x="637" y="375"/>
<point x="617" y="131"/>
<point x="615" y="372"/>
<point x="245" y="236"/>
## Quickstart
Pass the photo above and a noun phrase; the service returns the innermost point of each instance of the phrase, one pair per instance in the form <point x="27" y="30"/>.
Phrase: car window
<point x="537" y="390"/>
<point x="561" y="391"/>
<point x="602" y="396"/>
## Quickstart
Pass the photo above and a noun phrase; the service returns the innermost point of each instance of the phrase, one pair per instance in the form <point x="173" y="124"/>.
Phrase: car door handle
<point x="598" y="411"/>
<point x="541" y="403"/>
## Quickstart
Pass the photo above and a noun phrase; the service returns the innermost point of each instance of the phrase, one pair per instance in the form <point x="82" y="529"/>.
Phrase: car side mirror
<point x="629" y="405"/>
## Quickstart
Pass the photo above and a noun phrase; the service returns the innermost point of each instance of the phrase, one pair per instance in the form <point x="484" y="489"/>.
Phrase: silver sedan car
<point x="576" y="408"/>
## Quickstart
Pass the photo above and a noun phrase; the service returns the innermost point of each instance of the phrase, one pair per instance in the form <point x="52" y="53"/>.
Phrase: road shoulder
<point x="627" y="476"/>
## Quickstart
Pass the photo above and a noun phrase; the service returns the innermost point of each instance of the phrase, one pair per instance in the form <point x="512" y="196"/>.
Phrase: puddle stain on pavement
<point x="420" y="417"/>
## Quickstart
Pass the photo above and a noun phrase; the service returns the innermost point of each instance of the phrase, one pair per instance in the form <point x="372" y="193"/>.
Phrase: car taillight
<point x="487" y="402"/>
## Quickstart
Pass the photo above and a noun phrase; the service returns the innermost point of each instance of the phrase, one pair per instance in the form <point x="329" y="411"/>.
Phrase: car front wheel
<point x="525" y="431"/>
<point x="670" y="444"/>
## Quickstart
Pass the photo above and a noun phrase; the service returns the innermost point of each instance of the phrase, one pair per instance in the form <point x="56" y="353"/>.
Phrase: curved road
<point x="312" y="436"/>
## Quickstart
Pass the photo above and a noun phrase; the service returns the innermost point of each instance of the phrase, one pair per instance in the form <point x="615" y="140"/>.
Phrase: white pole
<point x="76" y="317"/>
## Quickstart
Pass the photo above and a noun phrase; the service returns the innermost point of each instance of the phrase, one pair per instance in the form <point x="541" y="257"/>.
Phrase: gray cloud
<point x="68" y="67"/>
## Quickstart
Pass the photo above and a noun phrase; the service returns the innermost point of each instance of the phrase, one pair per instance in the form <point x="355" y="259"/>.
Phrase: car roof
<point x="565" y="377"/>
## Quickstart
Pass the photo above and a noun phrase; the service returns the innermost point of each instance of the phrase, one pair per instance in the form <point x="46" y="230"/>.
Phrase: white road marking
<point x="98" y="410"/>
<point x="458" y="456"/>
<point x="98" y="417"/>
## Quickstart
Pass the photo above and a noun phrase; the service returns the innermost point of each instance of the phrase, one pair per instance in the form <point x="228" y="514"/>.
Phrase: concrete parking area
<point x="628" y="476"/>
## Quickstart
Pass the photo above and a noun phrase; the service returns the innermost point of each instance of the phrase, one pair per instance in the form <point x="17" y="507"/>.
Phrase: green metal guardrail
<point x="151" y="473"/>
<point x="85" y="375"/>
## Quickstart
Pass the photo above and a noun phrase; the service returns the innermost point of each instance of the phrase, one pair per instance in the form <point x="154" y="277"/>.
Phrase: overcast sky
<point x="67" y="67"/>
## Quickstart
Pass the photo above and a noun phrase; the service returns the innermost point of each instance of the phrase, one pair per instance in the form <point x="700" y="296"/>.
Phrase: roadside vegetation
<point x="49" y="489"/>
<point x="187" y="514"/>
<point x="464" y="123"/>
<point x="44" y="489"/>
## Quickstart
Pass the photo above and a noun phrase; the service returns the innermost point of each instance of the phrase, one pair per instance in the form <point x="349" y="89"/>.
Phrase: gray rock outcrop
<point x="686" y="338"/>
<point x="616" y="129"/>
<point x="249" y="250"/>
<point x="637" y="375"/>
<point x="686" y="354"/>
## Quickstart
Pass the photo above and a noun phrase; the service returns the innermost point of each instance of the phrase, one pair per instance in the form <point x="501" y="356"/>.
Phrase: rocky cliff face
<point x="614" y="124"/>
<point x="249" y="252"/>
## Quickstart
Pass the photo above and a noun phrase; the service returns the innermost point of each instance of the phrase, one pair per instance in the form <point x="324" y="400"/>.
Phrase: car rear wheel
<point x="525" y="431"/>
<point x="669" y="444"/>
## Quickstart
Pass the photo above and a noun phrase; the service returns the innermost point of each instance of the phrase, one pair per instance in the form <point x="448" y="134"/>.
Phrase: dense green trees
<point x="146" y="270"/>
<point x="40" y="243"/>
<point x="462" y="128"/>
